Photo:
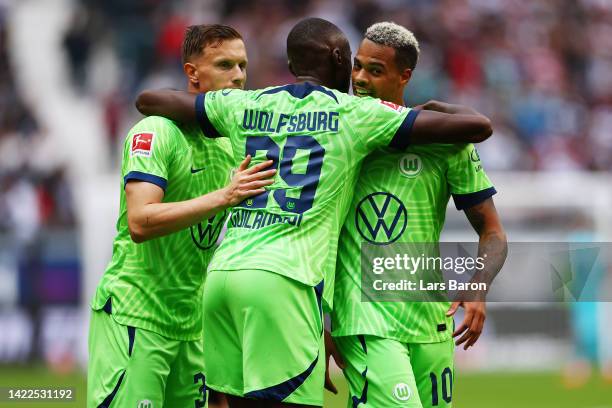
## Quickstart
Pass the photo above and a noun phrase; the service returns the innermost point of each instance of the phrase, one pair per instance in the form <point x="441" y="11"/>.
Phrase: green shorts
<point x="135" y="368"/>
<point x="387" y="373"/>
<point x="263" y="337"/>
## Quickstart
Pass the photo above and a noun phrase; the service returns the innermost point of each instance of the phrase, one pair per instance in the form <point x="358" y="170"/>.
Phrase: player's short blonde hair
<point x="397" y="37"/>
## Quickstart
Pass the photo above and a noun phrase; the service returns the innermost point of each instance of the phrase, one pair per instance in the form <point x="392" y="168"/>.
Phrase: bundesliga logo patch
<point x="393" y="106"/>
<point x="142" y="144"/>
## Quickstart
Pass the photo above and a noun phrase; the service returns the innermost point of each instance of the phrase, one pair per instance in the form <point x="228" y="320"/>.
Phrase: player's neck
<point x="192" y="89"/>
<point x="398" y="99"/>
<point x="307" y="78"/>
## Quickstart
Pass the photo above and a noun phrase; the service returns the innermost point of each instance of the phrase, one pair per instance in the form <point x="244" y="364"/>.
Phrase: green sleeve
<point x="383" y="124"/>
<point x="149" y="151"/>
<point x="216" y="110"/>
<point x="468" y="182"/>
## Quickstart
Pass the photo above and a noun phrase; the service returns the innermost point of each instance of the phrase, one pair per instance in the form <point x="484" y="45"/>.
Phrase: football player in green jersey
<point x="264" y="293"/>
<point x="145" y="342"/>
<point x="400" y="354"/>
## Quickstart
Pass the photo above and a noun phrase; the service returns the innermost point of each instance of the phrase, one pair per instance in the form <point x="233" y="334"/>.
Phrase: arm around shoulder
<point x="175" y="105"/>
<point x="437" y="127"/>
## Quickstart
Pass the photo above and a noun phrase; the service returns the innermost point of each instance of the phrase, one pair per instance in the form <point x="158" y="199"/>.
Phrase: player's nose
<point x="359" y="78"/>
<point x="239" y="76"/>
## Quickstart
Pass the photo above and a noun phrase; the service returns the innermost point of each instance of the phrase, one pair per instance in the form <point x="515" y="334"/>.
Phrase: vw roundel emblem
<point x="205" y="234"/>
<point x="381" y="218"/>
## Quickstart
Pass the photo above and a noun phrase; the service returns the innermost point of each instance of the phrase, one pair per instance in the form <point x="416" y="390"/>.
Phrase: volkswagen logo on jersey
<point x="402" y="391"/>
<point x="410" y="165"/>
<point x="381" y="218"/>
<point x="206" y="233"/>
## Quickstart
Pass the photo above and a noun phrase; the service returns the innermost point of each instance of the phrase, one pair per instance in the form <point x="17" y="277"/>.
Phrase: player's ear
<point x="192" y="73"/>
<point x="337" y="56"/>
<point x="405" y="76"/>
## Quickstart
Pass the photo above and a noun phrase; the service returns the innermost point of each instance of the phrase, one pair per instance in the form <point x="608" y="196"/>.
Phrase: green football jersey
<point x="157" y="285"/>
<point x="316" y="137"/>
<point x="401" y="196"/>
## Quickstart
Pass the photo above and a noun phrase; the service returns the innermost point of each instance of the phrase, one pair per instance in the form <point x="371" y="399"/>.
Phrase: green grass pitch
<point x="482" y="390"/>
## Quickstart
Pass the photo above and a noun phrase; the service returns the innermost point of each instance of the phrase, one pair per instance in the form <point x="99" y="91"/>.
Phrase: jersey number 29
<point x="308" y="181"/>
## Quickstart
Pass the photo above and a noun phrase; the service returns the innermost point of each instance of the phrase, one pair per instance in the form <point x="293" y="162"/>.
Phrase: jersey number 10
<point x="447" y="387"/>
<point x="308" y="181"/>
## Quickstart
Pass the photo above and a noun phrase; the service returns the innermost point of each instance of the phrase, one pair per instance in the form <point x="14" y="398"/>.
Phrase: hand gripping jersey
<point x="157" y="285"/>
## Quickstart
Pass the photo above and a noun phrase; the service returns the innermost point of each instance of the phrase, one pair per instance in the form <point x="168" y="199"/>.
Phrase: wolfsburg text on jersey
<point x="266" y="121"/>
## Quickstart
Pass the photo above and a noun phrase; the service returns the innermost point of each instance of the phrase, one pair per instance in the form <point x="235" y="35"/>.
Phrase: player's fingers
<point x="478" y="325"/>
<point x="256" y="184"/>
<point x="463" y="338"/>
<point x="338" y="359"/>
<point x="259" y="167"/>
<point x="453" y="309"/>
<point x="463" y="327"/>
<point x="251" y="193"/>
<point x="475" y="331"/>
<point x="245" y="163"/>
<point x="260" y="175"/>
<point x="329" y="385"/>
<point x="465" y="324"/>
<point x="472" y="341"/>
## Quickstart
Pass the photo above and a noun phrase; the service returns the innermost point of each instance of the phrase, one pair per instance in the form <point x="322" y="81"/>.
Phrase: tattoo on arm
<point x="492" y="242"/>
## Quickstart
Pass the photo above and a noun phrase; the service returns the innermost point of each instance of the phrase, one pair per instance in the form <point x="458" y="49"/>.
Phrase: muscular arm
<point x="449" y="108"/>
<point x="178" y="106"/>
<point x="436" y="123"/>
<point x="149" y="218"/>
<point x="492" y="242"/>
<point x="440" y="122"/>
<point x="492" y="239"/>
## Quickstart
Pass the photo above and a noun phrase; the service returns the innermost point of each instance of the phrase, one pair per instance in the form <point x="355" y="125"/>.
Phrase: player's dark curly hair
<point x="198" y="37"/>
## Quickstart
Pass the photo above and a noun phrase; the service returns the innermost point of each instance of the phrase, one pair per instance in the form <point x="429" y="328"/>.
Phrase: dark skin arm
<point x="449" y="108"/>
<point x="178" y="106"/>
<point x="492" y="242"/>
<point x="438" y="122"/>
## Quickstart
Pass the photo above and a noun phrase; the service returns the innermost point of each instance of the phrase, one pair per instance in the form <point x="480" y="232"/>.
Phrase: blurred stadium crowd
<point x="542" y="70"/>
<point x="34" y="192"/>
<point x="36" y="208"/>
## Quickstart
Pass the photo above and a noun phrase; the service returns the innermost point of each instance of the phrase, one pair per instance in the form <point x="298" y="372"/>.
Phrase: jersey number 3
<point x="300" y="194"/>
